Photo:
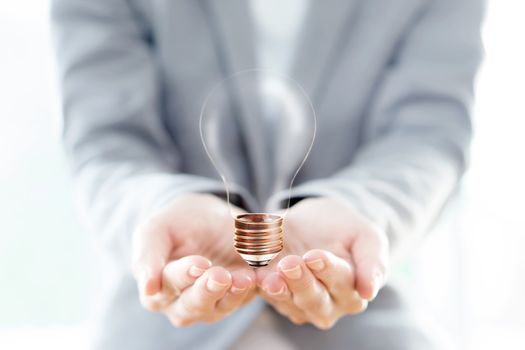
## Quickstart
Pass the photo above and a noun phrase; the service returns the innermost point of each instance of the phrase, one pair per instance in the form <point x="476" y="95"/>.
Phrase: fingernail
<point x="293" y="273"/>
<point x="237" y="290"/>
<point x="195" y="271"/>
<point x="279" y="292"/>
<point x="376" y="283"/>
<point x="214" y="286"/>
<point x="316" y="265"/>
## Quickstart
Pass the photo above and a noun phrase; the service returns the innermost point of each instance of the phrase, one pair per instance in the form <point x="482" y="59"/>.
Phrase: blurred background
<point x="469" y="275"/>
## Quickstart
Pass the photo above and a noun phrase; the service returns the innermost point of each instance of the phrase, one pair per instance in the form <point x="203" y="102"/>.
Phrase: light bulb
<point x="258" y="128"/>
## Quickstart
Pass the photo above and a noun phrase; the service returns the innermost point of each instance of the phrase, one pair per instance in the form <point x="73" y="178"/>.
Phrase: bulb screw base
<point x="258" y="237"/>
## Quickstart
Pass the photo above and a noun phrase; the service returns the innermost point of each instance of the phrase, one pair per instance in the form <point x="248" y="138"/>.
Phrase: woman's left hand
<point x="319" y="286"/>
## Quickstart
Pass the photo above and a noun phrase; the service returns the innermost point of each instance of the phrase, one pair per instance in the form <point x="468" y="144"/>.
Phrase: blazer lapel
<point x="322" y="34"/>
<point x="234" y="33"/>
<point x="320" y="38"/>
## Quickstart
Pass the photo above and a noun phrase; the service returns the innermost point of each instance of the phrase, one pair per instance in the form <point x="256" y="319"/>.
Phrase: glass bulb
<point x="258" y="128"/>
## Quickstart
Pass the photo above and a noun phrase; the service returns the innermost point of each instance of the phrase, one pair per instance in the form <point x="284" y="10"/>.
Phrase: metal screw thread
<point x="258" y="237"/>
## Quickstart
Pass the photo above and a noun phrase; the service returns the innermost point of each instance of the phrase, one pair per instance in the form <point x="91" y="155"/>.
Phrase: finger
<point x="274" y="287"/>
<point x="182" y="273"/>
<point x="198" y="301"/>
<point x="176" y="277"/>
<point x="337" y="275"/>
<point x="151" y="249"/>
<point x="243" y="285"/>
<point x="308" y="293"/>
<point x="370" y="254"/>
<point x="277" y="294"/>
<point x="261" y="273"/>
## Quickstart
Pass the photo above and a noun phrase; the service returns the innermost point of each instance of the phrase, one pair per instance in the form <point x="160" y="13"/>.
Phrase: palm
<point x="316" y="224"/>
<point x="204" y="228"/>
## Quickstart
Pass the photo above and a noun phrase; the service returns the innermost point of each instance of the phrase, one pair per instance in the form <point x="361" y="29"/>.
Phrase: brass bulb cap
<point x="258" y="237"/>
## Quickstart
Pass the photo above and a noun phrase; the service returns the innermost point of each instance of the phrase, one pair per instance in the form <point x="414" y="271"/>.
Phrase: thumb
<point x="370" y="254"/>
<point x="152" y="247"/>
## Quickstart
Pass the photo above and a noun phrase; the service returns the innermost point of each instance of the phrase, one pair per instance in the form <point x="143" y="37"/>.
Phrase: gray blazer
<point x="391" y="82"/>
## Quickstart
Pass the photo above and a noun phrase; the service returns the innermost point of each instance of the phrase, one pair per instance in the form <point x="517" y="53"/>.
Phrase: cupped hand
<point x="334" y="262"/>
<point x="185" y="265"/>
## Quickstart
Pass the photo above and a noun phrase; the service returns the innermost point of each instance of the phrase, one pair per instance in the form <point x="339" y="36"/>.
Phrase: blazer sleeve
<point x="418" y="129"/>
<point x="124" y="163"/>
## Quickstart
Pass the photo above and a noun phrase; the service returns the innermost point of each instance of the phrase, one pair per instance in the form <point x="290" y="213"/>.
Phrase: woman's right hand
<point x="185" y="264"/>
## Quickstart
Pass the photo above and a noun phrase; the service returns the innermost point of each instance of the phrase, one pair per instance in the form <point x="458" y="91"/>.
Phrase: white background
<point x="469" y="273"/>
